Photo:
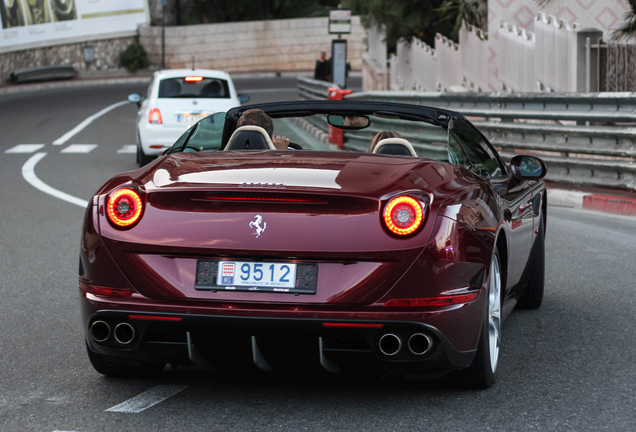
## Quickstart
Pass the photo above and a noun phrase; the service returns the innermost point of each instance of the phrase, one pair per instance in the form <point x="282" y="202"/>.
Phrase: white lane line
<point x="79" y="148"/>
<point x="130" y="148"/>
<point x="147" y="399"/>
<point x="25" y="148"/>
<point x="68" y="135"/>
<point x="28" y="172"/>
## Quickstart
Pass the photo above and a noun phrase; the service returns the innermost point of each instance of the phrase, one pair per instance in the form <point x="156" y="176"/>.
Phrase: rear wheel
<point x="533" y="295"/>
<point x="481" y="373"/>
<point x="105" y="367"/>
<point x="142" y="158"/>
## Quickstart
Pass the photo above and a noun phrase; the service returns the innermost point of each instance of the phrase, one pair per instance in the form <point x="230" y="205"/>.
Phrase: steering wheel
<point x="294" y="146"/>
<point x="190" y="148"/>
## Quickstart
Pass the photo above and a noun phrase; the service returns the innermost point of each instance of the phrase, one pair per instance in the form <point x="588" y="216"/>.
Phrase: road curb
<point x="24" y="88"/>
<point x="621" y="205"/>
<point x="8" y="89"/>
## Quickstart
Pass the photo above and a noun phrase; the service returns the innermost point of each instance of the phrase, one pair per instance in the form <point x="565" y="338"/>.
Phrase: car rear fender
<point x="96" y="266"/>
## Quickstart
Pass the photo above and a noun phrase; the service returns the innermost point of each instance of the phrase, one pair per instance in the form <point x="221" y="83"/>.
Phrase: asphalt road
<point x="571" y="365"/>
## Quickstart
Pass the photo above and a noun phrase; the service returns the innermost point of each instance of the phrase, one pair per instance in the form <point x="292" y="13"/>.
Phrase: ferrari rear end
<point x="283" y="260"/>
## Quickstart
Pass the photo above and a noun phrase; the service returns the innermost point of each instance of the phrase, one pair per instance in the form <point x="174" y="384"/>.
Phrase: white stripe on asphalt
<point x="25" y="148"/>
<point x="68" y="135"/>
<point x="147" y="399"/>
<point x="130" y="148"/>
<point x="79" y="148"/>
<point x="28" y="172"/>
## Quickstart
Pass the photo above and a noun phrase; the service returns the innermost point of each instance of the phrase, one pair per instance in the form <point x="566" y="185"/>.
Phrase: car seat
<point x="250" y="138"/>
<point x="394" y="147"/>
<point x="211" y="89"/>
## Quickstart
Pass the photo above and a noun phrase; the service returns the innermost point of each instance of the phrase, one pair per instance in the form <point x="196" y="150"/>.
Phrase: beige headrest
<point x="268" y="140"/>
<point x="399" y="141"/>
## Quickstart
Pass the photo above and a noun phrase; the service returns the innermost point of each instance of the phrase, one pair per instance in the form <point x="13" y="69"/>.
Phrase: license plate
<point x="190" y="117"/>
<point x="256" y="276"/>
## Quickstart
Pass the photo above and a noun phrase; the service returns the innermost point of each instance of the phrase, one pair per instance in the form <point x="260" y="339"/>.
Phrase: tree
<point x="420" y="18"/>
<point x="463" y="12"/>
<point x="627" y="30"/>
<point x="216" y="11"/>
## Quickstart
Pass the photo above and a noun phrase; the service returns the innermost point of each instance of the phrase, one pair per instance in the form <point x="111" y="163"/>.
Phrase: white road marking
<point x="68" y="135"/>
<point x="28" y="172"/>
<point x="79" y="148"/>
<point x="147" y="399"/>
<point x="25" y="148"/>
<point x="130" y="148"/>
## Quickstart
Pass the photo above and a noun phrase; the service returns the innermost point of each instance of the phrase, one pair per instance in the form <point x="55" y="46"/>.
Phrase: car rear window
<point x="194" y="87"/>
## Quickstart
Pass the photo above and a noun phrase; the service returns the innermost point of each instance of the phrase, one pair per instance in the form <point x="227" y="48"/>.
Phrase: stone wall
<point x="273" y="46"/>
<point x="107" y="56"/>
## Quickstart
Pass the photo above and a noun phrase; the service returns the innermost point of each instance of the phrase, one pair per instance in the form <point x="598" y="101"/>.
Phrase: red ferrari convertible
<point x="402" y="254"/>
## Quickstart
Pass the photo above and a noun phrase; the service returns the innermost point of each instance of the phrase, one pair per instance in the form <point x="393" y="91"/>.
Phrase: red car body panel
<point x="199" y="206"/>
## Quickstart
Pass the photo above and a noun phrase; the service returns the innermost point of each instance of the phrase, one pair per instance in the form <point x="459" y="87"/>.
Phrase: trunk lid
<point x="284" y="206"/>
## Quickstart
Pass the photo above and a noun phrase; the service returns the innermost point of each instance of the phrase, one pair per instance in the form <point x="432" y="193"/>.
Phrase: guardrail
<point x="598" y="151"/>
<point x="586" y="139"/>
<point x="311" y="89"/>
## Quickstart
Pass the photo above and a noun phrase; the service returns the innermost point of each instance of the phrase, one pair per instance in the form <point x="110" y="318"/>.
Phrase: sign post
<point x="339" y="23"/>
<point x="163" y="33"/>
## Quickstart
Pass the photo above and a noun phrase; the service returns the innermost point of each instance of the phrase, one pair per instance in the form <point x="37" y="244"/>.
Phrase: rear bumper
<point x="276" y="343"/>
<point x="155" y="134"/>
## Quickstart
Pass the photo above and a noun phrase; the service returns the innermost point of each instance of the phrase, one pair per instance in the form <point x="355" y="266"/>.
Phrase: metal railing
<point x="586" y="139"/>
<point x="311" y="89"/>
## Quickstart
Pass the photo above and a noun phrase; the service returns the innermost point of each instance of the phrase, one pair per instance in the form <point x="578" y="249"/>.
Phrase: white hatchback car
<point x="177" y="99"/>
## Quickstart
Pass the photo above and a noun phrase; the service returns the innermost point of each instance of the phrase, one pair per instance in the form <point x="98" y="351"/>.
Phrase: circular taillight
<point x="124" y="207"/>
<point x="403" y="215"/>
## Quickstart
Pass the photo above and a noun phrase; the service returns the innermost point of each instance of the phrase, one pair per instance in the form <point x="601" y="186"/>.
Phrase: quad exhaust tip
<point x="420" y="344"/>
<point x="100" y="331"/>
<point x="124" y="333"/>
<point x="390" y="344"/>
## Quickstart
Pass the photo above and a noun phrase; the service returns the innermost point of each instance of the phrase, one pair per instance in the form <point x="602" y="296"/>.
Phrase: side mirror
<point x="243" y="98"/>
<point x="526" y="167"/>
<point x="135" y="98"/>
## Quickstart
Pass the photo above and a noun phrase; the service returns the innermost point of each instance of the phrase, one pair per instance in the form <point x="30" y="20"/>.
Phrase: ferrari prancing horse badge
<point x="256" y="224"/>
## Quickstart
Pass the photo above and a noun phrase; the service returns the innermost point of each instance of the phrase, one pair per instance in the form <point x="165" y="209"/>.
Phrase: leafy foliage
<point x="420" y="18"/>
<point x="628" y="29"/>
<point x="134" y="58"/>
<point x="471" y="12"/>
<point x="215" y="11"/>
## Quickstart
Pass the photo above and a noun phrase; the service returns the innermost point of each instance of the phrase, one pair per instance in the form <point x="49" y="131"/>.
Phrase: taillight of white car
<point x="155" y="116"/>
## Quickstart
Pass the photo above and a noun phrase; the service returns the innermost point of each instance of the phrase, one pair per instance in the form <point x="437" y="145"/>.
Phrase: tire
<point x="105" y="367"/>
<point x="533" y="294"/>
<point x="481" y="373"/>
<point x="142" y="158"/>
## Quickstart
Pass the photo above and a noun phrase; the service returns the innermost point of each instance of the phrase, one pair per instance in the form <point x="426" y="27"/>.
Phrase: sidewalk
<point x="121" y="76"/>
<point x="604" y="200"/>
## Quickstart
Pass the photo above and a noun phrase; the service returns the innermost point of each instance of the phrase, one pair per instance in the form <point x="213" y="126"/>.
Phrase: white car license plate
<point x="256" y="274"/>
<point x="190" y="117"/>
